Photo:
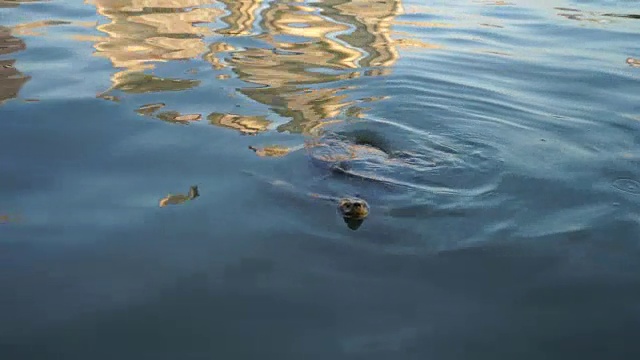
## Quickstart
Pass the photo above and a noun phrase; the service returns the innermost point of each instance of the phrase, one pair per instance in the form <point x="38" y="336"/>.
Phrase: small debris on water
<point x="627" y="185"/>
<point x="633" y="62"/>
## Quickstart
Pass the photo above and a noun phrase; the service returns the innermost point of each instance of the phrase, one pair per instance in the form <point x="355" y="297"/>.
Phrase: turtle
<point x="358" y="155"/>
<point x="180" y="198"/>
<point x="353" y="157"/>
<point x="366" y="157"/>
<point x="362" y="154"/>
<point x="352" y="208"/>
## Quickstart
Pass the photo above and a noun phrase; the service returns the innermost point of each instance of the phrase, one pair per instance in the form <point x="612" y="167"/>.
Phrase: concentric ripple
<point x="397" y="155"/>
<point x="627" y="185"/>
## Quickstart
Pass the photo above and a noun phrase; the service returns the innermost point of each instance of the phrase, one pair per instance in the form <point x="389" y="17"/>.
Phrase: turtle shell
<point x="336" y="153"/>
<point x="367" y="158"/>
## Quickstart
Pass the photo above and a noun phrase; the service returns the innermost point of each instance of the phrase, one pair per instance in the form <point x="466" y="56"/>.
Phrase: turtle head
<point x="353" y="208"/>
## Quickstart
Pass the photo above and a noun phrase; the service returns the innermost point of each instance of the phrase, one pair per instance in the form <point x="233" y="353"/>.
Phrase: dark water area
<point x="496" y="143"/>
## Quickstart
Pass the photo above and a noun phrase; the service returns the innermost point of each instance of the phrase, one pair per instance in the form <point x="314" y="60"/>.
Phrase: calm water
<point x="510" y="230"/>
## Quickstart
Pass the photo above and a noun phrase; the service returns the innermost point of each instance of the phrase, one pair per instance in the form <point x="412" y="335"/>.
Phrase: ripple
<point x="388" y="153"/>
<point x="627" y="185"/>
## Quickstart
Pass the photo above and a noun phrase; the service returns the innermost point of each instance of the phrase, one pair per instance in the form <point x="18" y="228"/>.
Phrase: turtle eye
<point x="357" y="205"/>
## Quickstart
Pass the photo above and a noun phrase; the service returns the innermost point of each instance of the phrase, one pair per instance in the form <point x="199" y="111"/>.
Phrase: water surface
<point x="510" y="229"/>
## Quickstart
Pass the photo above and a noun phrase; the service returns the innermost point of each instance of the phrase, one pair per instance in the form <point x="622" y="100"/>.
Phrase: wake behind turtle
<point x="363" y="154"/>
<point x="352" y="208"/>
<point x="360" y="155"/>
<point x="407" y="172"/>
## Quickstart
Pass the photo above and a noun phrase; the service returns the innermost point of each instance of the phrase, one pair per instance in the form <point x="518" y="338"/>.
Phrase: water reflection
<point x="271" y="151"/>
<point x="149" y="109"/>
<point x="30" y="28"/>
<point x="142" y="33"/>
<point x="311" y="46"/>
<point x="137" y="82"/>
<point x="14" y="3"/>
<point x="178" y="118"/>
<point x="11" y="79"/>
<point x="215" y="49"/>
<point x="247" y="125"/>
<point x="301" y="50"/>
<point x="241" y="17"/>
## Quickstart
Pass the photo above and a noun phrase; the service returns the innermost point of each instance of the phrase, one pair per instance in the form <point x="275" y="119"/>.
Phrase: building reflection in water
<point x="301" y="52"/>
<point x="11" y="79"/>
<point x="241" y="17"/>
<point x="13" y="3"/>
<point x="142" y="33"/>
<point x="308" y="49"/>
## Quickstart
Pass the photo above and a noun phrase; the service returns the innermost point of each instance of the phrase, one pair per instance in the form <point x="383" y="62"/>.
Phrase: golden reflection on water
<point x="246" y="125"/>
<point x="315" y="46"/>
<point x="304" y="49"/>
<point x="29" y="28"/>
<point x="142" y="33"/>
<point x="241" y="17"/>
<point x="14" y="3"/>
<point x="11" y="79"/>
<point x="168" y="116"/>
<point x="215" y="49"/>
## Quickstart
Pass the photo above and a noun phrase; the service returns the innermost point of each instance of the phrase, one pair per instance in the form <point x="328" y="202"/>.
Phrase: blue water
<point x="505" y="226"/>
